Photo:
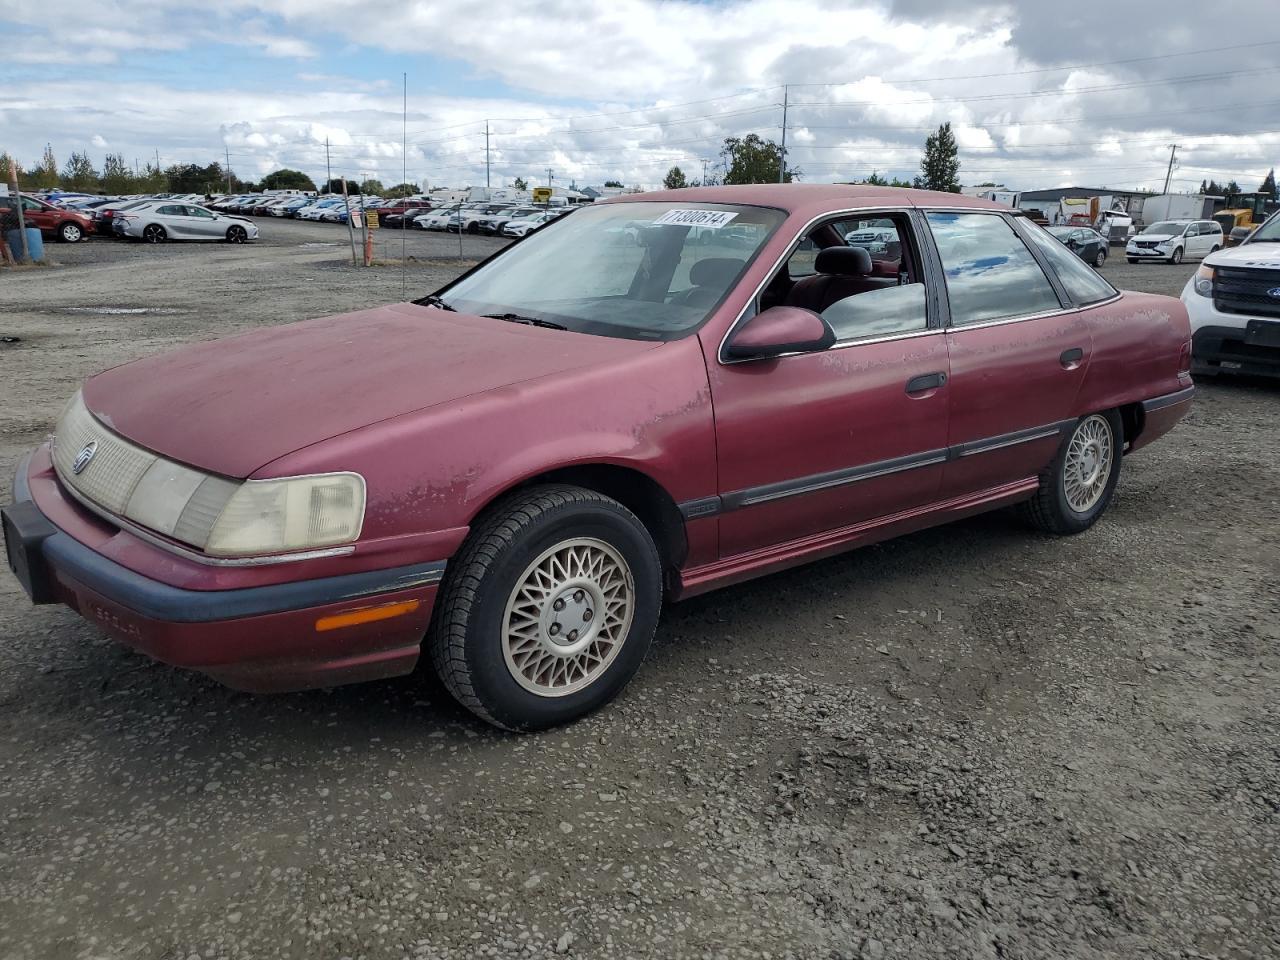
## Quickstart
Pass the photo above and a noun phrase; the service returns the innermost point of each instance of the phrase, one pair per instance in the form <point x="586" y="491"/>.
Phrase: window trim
<point x="935" y="319"/>
<point x="1063" y="293"/>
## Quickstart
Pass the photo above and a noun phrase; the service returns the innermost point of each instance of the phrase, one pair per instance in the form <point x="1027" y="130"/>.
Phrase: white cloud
<point x="649" y="84"/>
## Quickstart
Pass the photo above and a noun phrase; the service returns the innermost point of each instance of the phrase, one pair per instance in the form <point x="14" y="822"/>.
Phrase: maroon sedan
<point x="644" y="400"/>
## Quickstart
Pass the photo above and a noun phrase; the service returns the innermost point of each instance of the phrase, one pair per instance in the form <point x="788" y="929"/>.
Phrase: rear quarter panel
<point x="1137" y="349"/>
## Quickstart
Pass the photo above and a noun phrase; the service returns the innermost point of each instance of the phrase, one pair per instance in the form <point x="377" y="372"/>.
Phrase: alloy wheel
<point x="568" y="617"/>
<point x="1087" y="465"/>
<point x="154" y="233"/>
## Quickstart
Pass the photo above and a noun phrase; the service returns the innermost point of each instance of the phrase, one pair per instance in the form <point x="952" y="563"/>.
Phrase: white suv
<point x="1175" y="241"/>
<point x="1234" y="304"/>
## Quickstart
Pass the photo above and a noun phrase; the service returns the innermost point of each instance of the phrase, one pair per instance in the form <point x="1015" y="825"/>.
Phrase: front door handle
<point x="926" y="381"/>
<point x="1069" y="358"/>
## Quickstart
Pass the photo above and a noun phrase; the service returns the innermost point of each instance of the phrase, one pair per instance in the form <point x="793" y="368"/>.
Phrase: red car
<point x="644" y="400"/>
<point x="69" y="226"/>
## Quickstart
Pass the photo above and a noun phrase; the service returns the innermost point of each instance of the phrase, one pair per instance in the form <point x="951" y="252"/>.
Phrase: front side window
<point x="1083" y="283"/>
<point x="991" y="275"/>
<point x="644" y="271"/>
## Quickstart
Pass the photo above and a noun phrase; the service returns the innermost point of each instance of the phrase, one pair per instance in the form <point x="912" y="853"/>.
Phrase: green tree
<point x="79" y="173"/>
<point x="675" y="179"/>
<point x="372" y="187"/>
<point x="1231" y="187"/>
<point x="940" y="165"/>
<point x="286" y="179"/>
<point x="613" y="183"/>
<point x="753" y="159"/>
<point x="402" y="190"/>
<point x="521" y="184"/>
<point x="117" y="178"/>
<point x="5" y="161"/>
<point x="44" y="175"/>
<point x="1269" y="184"/>
<point x="335" y="186"/>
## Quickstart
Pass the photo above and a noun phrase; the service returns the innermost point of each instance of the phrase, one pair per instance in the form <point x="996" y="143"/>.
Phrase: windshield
<point x="1166" y="227"/>
<point x="641" y="271"/>
<point x="1269" y="232"/>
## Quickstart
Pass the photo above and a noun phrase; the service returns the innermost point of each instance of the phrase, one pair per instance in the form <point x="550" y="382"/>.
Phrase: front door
<point x="821" y="442"/>
<point x="1018" y="357"/>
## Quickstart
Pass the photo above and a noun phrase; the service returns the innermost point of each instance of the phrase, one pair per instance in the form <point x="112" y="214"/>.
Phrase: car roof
<point x="812" y="198"/>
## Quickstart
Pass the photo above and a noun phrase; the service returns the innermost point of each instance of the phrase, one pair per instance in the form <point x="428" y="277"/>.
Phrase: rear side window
<point x="1083" y="283"/>
<point x="991" y="275"/>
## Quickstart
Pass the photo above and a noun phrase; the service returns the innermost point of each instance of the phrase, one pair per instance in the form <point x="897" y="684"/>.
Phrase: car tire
<point x="1214" y="249"/>
<point x="237" y="234"/>
<point x="154" y="233"/>
<point x="1077" y="486"/>
<point x="1100" y="259"/>
<point x="1132" y="259"/>
<point x="1176" y="256"/>
<point x="539" y="555"/>
<point x="70" y="233"/>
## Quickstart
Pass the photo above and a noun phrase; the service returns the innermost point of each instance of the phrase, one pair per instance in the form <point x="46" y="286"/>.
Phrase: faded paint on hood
<point x="231" y="406"/>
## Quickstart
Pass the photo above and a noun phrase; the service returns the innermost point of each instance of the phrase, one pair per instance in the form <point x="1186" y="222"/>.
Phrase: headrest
<point x="843" y="261"/>
<point x="715" y="271"/>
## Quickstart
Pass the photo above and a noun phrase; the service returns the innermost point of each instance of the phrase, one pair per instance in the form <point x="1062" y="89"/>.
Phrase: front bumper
<point x="1147" y="253"/>
<point x="270" y="638"/>
<point x="1231" y="342"/>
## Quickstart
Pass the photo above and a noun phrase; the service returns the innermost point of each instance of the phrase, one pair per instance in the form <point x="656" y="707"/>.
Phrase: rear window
<point x="1083" y="283"/>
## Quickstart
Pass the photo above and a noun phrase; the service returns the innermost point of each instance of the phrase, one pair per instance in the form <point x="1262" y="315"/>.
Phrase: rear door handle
<point x="1071" y="357"/>
<point x="926" y="381"/>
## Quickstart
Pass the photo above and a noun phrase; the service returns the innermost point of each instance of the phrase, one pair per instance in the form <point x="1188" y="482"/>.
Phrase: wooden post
<point x="17" y="205"/>
<point x="346" y="198"/>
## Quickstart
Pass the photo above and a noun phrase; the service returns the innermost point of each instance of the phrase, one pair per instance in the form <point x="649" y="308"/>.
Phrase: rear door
<point x="1018" y="354"/>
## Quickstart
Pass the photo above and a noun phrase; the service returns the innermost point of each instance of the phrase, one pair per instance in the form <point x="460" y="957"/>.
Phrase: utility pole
<point x="12" y="174"/>
<point x="782" y="153"/>
<point x="705" y="161"/>
<point x="486" y="154"/>
<point x="227" y="152"/>
<point x="1168" y="177"/>
<point x="328" y="170"/>
<point x="548" y="176"/>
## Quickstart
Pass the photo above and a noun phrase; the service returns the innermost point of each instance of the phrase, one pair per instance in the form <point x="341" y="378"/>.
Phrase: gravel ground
<point x="971" y="742"/>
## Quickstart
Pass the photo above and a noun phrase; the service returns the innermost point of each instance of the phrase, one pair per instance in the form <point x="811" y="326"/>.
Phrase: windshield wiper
<point x="434" y="301"/>
<point x="531" y="321"/>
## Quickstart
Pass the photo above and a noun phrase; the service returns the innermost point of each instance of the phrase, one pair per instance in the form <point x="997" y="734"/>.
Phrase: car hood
<point x="232" y="406"/>
<point x="1266" y="255"/>
<point x="1156" y="236"/>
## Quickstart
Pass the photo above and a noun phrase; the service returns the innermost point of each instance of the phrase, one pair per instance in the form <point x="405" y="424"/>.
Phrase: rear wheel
<point x="1101" y="258"/>
<point x="237" y="234"/>
<point x="1076" y="488"/>
<point x="154" y="233"/>
<point x="70" y="233"/>
<point x="548" y="609"/>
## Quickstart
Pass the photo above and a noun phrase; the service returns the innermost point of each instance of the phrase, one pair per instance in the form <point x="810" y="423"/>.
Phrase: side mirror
<point x="780" y="330"/>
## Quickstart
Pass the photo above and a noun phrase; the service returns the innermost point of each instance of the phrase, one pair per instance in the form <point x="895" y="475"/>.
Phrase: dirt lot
<point x="972" y="742"/>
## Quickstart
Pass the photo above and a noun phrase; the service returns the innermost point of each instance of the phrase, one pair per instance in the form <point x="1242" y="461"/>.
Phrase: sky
<point x="1040" y="94"/>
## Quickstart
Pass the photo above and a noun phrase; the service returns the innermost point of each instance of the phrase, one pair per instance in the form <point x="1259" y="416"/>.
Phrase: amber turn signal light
<point x="367" y="615"/>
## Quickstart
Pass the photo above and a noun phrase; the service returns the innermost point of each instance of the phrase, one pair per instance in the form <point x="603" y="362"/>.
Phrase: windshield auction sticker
<point x="695" y="218"/>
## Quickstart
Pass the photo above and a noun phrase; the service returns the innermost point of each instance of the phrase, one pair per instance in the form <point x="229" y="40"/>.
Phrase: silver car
<point x="163" y="220"/>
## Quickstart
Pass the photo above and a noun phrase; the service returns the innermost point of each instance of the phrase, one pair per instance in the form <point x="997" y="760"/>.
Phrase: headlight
<point x="296" y="513"/>
<point x="1204" y="281"/>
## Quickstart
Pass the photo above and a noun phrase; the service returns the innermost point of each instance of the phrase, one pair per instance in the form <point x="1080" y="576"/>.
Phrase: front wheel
<point x="1132" y="259"/>
<point x="1176" y="256"/>
<point x="154" y="233"/>
<point x="1100" y="259"/>
<point x="70" y="233"/>
<point x="237" y="234"/>
<point x="548" y="609"/>
<point x="1077" y="486"/>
